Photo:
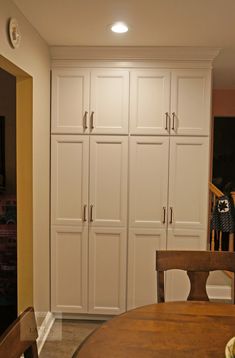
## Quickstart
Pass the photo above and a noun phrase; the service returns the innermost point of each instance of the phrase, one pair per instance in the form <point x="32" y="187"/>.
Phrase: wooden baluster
<point x="213" y="240"/>
<point x="220" y="240"/>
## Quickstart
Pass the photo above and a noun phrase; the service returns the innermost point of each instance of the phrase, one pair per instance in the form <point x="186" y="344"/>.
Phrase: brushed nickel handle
<point x="164" y="215"/>
<point x="171" y="215"/>
<point x="85" y="121"/>
<point x="167" y="116"/>
<point x="92" y="120"/>
<point x="84" y="213"/>
<point x="173" y="121"/>
<point x="91" y="213"/>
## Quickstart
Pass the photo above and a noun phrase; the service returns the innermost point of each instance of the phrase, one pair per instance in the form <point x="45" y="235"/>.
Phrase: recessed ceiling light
<point x="119" y="27"/>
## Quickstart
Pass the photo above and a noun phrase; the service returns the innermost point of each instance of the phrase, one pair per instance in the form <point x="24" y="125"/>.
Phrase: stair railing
<point x="215" y="193"/>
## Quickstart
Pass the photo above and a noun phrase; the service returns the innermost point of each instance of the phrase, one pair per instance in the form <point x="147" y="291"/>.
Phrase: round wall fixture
<point x="14" y="33"/>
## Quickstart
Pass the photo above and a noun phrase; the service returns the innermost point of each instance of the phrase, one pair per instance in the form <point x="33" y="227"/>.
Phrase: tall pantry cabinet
<point x="89" y="190"/>
<point x="129" y="175"/>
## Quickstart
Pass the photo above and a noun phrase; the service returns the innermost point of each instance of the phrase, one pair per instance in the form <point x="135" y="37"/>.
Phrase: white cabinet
<point x="190" y="102"/>
<point x="107" y="270"/>
<point x="69" y="269"/>
<point x="69" y="179"/>
<point x="142" y="246"/>
<point x="149" y="101"/>
<point x="170" y="101"/>
<point x="109" y="102"/>
<point x="99" y="223"/>
<point x="188" y="182"/>
<point x="90" y="101"/>
<point x="108" y="180"/>
<point x="69" y="100"/>
<point x="148" y="181"/>
<point x="156" y="161"/>
<point x="179" y="203"/>
<point x="168" y="195"/>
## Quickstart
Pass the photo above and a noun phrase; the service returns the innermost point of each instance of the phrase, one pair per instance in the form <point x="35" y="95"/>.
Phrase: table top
<point x="172" y="329"/>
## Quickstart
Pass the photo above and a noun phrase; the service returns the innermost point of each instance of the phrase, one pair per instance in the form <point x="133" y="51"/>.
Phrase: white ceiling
<point x="152" y="23"/>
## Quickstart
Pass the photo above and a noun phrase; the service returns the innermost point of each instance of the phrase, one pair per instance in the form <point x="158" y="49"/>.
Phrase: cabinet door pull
<point x="167" y="116"/>
<point x="85" y="121"/>
<point x="91" y="213"/>
<point x="171" y="215"/>
<point x="92" y="120"/>
<point x="164" y="215"/>
<point x="84" y="213"/>
<point x="173" y="121"/>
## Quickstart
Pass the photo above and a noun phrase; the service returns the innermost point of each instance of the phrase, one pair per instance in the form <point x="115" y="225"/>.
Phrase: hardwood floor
<point x="65" y="336"/>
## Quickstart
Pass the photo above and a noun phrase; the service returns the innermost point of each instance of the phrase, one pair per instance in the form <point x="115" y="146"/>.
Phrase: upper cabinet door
<point x="108" y="180"/>
<point x="69" y="180"/>
<point x="109" y="106"/>
<point x="148" y="181"/>
<point x="150" y="102"/>
<point x="70" y="101"/>
<point x="190" y="102"/>
<point x="188" y="183"/>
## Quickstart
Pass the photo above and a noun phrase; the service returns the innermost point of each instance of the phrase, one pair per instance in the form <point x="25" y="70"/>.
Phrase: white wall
<point x="33" y="57"/>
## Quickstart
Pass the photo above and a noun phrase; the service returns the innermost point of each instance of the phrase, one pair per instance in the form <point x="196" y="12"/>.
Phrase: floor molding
<point x="44" y="330"/>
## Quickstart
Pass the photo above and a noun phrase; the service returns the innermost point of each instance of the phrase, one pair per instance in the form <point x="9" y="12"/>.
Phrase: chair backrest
<point x="198" y="265"/>
<point x="20" y="337"/>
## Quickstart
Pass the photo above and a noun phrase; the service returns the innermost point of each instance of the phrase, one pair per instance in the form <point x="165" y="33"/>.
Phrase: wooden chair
<point x="20" y="337"/>
<point x="198" y="265"/>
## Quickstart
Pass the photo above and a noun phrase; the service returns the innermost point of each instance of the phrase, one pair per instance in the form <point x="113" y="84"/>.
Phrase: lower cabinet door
<point x="142" y="278"/>
<point x="107" y="270"/>
<point x="69" y="269"/>
<point x="177" y="282"/>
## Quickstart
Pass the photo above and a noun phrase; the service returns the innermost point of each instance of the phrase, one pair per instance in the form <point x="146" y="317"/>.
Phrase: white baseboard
<point x="44" y="330"/>
<point x="219" y="292"/>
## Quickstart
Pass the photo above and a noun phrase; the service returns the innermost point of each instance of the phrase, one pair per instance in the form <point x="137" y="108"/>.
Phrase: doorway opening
<point x="17" y="158"/>
<point x="224" y="154"/>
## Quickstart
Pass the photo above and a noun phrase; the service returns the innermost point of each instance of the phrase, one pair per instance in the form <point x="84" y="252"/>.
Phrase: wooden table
<point x="172" y="329"/>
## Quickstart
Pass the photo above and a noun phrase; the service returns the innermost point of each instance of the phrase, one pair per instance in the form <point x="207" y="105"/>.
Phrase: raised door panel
<point x="188" y="182"/>
<point x="190" y="102"/>
<point x="70" y="100"/>
<point x="142" y="246"/>
<point x="148" y="181"/>
<point x="107" y="270"/>
<point x="149" y="102"/>
<point x="69" y="269"/>
<point x="69" y="179"/>
<point x="109" y="107"/>
<point x="177" y="282"/>
<point x="108" y="180"/>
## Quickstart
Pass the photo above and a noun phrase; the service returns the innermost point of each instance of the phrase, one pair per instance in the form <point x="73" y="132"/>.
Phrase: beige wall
<point x="8" y="110"/>
<point x="223" y="103"/>
<point x="33" y="57"/>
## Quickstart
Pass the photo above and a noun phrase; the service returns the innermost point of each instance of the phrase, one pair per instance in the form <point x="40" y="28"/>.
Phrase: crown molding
<point x="125" y="53"/>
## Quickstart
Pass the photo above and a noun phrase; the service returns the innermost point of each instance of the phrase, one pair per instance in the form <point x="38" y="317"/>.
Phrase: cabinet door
<point x="190" y="102"/>
<point x="107" y="270"/>
<point x="188" y="182"/>
<point x="142" y="246"/>
<point x="109" y="101"/>
<point x="69" y="269"/>
<point x="70" y="101"/>
<point x="149" y="102"/>
<point x="177" y="282"/>
<point x="69" y="179"/>
<point x="108" y="180"/>
<point x="148" y="181"/>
